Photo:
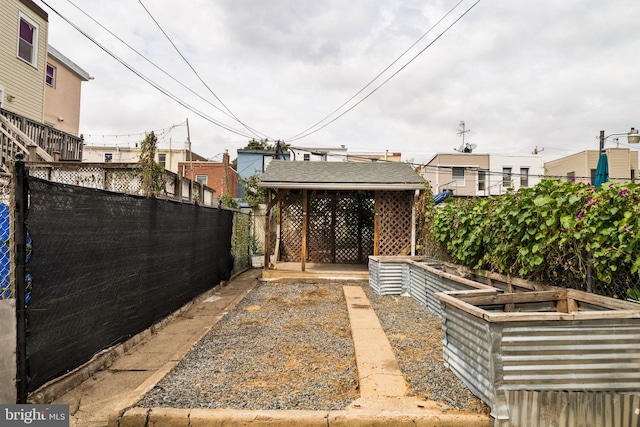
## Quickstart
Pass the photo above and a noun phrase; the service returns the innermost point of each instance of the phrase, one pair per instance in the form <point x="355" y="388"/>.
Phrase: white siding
<point x="319" y="154"/>
<point x="95" y="154"/>
<point x="438" y="172"/>
<point x="535" y="164"/>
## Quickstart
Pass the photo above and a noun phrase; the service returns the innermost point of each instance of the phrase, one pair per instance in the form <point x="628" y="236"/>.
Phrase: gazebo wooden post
<point x="376" y="224"/>
<point x="413" y="222"/>
<point x="332" y="236"/>
<point x="305" y="208"/>
<point x="267" y="231"/>
<point x="359" y="219"/>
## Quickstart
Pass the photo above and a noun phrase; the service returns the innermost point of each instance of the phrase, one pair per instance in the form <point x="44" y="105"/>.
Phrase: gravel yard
<point x="415" y="335"/>
<point x="288" y="346"/>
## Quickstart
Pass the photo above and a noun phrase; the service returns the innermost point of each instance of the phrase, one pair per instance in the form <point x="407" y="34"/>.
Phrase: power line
<point x="488" y="172"/>
<point x="196" y="73"/>
<point x="161" y="134"/>
<point x="304" y="134"/>
<point x="157" y="131"/>
<point x="151" y="62"/>
<point x="293" y="138"/>
<point x="146" y="79"/>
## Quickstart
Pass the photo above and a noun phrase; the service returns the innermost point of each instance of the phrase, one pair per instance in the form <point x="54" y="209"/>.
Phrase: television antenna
<point x="465" y="147"/>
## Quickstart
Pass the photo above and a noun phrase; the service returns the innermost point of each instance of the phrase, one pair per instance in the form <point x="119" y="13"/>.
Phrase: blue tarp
<point x="440" y="197"/>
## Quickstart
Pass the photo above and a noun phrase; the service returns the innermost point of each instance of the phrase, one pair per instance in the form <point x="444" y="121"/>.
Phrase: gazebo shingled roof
<point x="341" y="176"/>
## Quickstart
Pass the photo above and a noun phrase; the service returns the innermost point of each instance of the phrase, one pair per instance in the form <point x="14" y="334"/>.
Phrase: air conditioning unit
<point x="1" y="96"/>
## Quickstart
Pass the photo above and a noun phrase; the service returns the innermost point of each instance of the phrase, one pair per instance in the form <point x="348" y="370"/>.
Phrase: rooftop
<point x="341" y="176"/>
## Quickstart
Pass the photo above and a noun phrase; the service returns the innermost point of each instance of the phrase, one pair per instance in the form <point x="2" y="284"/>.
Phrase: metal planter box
<point x="523" y="352"/>
<point x="389" y="275"/>
<point x="425" y="280"/>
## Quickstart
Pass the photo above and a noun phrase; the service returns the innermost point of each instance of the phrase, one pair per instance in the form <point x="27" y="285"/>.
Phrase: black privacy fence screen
<point x="102" y="267"/>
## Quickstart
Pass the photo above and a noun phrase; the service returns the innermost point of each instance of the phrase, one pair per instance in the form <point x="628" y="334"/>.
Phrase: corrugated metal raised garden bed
<point x="418" y="277"/>
<point x="554" y="341"/>
<point x="536" y="354"/>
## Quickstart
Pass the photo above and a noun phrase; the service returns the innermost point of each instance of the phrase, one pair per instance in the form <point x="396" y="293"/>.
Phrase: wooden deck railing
<point x="52" y="141"/>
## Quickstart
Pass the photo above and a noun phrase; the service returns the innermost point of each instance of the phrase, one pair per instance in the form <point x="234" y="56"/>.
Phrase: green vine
<point x="153" y="177"/>
<point x="253" y="194"/>
<point x="548" y="233"/>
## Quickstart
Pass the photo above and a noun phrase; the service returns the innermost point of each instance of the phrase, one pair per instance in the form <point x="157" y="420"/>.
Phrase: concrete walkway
<point x="378" y="370"/>
<point x="105" y="393"/>
<point x="130" y="372"/>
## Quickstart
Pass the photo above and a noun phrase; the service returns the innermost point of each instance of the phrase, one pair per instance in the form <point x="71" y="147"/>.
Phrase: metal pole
<point x="191" y="177"/>
<point x="589" y="275"/>
<point x="602" y="141"/>
<point x="20" y="237"/>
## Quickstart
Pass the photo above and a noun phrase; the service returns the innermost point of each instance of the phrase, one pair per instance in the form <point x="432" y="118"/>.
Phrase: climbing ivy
<point x="548" y="233"/>
<point x="153" y="178"/>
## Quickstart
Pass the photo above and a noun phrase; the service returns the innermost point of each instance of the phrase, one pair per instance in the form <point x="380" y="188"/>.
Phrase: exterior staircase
<point x="36" y="141"/>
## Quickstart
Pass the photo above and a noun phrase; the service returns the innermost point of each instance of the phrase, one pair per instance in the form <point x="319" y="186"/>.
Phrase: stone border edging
<point x="354" y="417"/>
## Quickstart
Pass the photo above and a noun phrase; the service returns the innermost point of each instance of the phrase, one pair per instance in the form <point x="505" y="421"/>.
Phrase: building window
<point x="202" y="179"/>
<point x="457" y="174"/>
<point x="506" y="177"/>
<point x="51" y="75"/>
<point x="265" y="162"/>
<point x="162" y="159"/>
<point x="571" y="177"/>
<point x="307" y="157"/>
<point x="482" y="180"/>
<point x="593" y="176"/>
<point x="524" y="177"/>
<point x="28" y="40"/>
<point x="108" y="157"/>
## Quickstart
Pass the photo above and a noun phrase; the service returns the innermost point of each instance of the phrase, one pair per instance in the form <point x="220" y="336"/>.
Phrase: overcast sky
<point x="521" y="74"/>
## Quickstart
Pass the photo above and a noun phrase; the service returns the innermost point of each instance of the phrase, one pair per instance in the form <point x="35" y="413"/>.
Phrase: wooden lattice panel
<point x="394" y="221"/>
<point x="319" y="229"/>
<point x="339" y="228"/>
<point x="354" y="228"/>
<point x="291" y="228"/>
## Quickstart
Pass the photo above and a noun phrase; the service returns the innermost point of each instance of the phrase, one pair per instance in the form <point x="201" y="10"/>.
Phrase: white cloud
<point x="546" y="73"/>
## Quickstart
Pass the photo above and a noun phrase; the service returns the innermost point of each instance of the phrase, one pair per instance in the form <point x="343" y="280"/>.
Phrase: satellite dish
<point x="466" y="148"/>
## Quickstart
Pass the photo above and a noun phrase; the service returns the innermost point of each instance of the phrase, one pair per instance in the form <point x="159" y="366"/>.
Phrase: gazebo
<point x="339" y="212"/>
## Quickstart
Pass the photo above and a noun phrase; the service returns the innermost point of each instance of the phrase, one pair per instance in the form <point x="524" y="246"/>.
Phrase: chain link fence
<point x="7" y="205"/>
<point x="621" y="282"/>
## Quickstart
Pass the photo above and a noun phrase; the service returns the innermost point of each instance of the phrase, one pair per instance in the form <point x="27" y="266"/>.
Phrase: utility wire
<point x="489" y="173"/>
<point x="195" y="72"/>
<point x="146" y="79"/>
<point x="293" y="138"/>
<point x="157" y="131"/>
<point x="158" y="67"/>
<point x="306" y="134"/>
<point x="161" y="134"/>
